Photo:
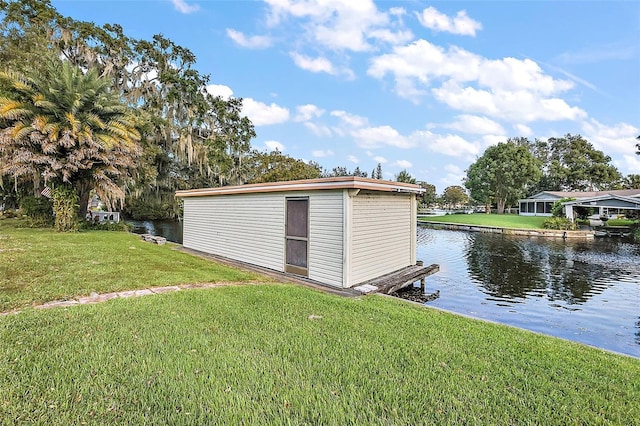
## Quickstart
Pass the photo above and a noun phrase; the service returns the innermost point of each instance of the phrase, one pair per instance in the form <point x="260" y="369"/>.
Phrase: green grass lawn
<point x="498" y="220"/>
<point x="39" y="265"/>
<point x="282" y="354"/>
<point x="268" y="354"/>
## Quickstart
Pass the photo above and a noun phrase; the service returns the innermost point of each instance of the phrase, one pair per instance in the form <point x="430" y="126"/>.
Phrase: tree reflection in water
<point x="521" y="267"/>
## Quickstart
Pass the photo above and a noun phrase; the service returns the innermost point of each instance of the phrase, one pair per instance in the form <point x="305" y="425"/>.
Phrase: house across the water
<point x="604" y="203"/>
<point x="341" y="231"/>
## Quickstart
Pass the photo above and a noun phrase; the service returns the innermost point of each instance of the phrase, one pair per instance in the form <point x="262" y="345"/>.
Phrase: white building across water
<point x="606" y="203"/>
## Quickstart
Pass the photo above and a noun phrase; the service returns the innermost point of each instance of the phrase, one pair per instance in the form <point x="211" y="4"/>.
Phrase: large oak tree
<point x="502" y="174"/>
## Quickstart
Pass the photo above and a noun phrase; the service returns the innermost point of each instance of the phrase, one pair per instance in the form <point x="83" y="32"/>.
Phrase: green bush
<point x="87" y="225"/>
<point x="556" y="209"/>
<point x="39" y="210"/>
<point x="562" y="223"/>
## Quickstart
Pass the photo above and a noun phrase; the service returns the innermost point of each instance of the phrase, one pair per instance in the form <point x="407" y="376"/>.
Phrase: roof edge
<point x="341" y="182"/>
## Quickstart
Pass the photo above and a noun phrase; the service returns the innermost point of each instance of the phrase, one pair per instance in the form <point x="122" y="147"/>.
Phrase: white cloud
<point x="460" y="24"/>
<point x="515" y="106"/>
<point x="221" y="90"/>
<point x="353" y="159"/>
<point x="262" y="114"/>
<point x="620" y="138"/>
<point x="319" y="64"/>
<point x="375" y="137"/>
<point x="322" y="153"/>
<point x="452" y="145"/>
<point x="380" y="159"/>
<point x="253" y="42"/>
<point x="509" y="89"/>
<point x="340" y="25"/>
<point x="474" y="124"/>
<point x="402" y="164"/>
<point x="318" y="130"/>
<point x="350" y="119"/>
<point x="630" y="164"/>
<point x="274" y="145"/>
<point x="454" y="176"/>
<point x="523" y="130"/>
<point x="183" y="7"/>
<point x="313" y="64"/>
<point x="307" y="112"/>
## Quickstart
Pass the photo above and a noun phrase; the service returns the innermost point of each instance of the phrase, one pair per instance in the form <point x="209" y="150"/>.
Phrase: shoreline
<point x="547" y="233"/>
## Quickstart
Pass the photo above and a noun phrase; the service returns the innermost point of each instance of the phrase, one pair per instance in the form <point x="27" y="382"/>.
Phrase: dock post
<point x="421" y="263"/>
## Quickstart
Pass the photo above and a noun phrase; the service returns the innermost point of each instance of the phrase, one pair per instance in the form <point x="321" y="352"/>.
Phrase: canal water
<point x="586" y="291"/>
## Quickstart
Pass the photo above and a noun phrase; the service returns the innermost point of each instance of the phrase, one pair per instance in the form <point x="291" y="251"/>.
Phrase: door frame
<point x="295" y="269"/>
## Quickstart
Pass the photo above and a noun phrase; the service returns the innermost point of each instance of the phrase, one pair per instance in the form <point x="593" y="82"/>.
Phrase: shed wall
<point x="326" y="237"/>
<point x="248" y="228"/>
<point x="251" y="228"/>
<point x="381" y="235"/>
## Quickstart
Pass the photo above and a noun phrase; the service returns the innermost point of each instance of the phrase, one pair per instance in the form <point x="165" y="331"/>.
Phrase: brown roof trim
<point x="342" y="182"/>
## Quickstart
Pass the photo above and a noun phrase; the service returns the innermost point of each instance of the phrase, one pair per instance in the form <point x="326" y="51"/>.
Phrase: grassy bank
<point x="39" y="265"/>
<point x="269" y="354"/>
<point x="498" y="220"/>
<point x="278" y="354"/>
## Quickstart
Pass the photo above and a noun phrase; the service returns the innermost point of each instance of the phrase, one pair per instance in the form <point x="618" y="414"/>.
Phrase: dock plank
<point x="397" y="280"/>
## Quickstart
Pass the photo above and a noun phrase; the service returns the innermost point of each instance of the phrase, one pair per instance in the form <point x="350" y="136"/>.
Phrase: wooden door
<point x="297" y="236"/>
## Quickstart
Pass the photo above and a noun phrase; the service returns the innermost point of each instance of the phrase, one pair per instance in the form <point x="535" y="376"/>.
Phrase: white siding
<point x="248" y="228"/>
<point x="381" y="227"/>
<point x="325" y="237"/>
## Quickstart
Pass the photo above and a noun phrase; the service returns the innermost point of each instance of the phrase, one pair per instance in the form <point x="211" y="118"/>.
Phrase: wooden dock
<point x="394" y="281"/>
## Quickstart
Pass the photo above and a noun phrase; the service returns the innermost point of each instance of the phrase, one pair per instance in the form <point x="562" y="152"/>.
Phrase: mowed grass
<point x="281" y="354"/>
<point x="498" y="220"/>
<point x="40" y="265"/>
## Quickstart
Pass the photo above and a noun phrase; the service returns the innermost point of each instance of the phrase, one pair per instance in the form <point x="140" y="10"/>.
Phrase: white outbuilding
<point x="340" y="231"/>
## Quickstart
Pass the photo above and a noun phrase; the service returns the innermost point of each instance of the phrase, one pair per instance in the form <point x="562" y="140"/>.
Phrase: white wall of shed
<point x="325" y="236"/>
<point x="381" y="235"/>
<point x="248" y="228"/>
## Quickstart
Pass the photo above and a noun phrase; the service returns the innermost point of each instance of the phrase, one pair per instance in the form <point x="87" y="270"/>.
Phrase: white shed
<point x="339" y="231"/>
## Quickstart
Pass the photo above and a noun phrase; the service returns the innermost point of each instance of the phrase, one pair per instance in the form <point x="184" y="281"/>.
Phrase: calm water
<point x="170" y="229"/>
<point x="587" y="291"/>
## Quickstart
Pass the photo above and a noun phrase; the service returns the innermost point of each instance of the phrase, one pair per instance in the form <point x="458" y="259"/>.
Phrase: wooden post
<point x="421" y="263"/>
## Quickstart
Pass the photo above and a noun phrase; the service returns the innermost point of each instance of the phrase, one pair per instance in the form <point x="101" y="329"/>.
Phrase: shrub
<point x="562" y="223"/>
<point x="39" y="210"/>
<point x="557" y="208"/>
<point x="87" y="225"/>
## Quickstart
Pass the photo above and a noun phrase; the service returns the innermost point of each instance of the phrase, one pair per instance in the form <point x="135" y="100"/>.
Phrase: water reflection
<point x="588" y="291"/>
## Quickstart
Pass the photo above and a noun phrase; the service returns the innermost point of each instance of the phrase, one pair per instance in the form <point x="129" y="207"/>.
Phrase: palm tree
<point x="64" y="127"/>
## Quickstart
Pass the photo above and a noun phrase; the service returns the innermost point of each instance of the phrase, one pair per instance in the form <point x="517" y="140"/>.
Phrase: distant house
<point x="340" y="231"/>
<point x="607" y="203"/>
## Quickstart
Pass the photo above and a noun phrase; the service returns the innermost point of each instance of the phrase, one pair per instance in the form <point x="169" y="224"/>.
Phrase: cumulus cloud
<point x="322" y="153"/>
<point x="523" y="130"/>
<point x="221" y="90"/>
<point x="630" y="164"/>
<point x="350" y="119"/>
<point x="402" y="164"/>
<point x="307" y="112"/>
<point x="375" y="137"/>
<point x="184" y="7"/>
<point x="510" y="89"/>
<point x="353" y="159"/>
<point x="340" y="25"/>
<point x="451" y="145"/>
<point x="319" y="64"/>
<point x="619" y="138"/>
<point x="461" y="24"/>
<point x="475" y="124"/>
<point x="318" y="130"/>
<point x="262" y="114"/>
<point x="380" y="159"/>
<point x="454" y="176"/>
<point x="252" y="42"/>
<point x="274" y="145"/>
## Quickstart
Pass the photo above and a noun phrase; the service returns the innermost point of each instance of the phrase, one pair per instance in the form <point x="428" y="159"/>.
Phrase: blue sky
<point x="415" y="85"/>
